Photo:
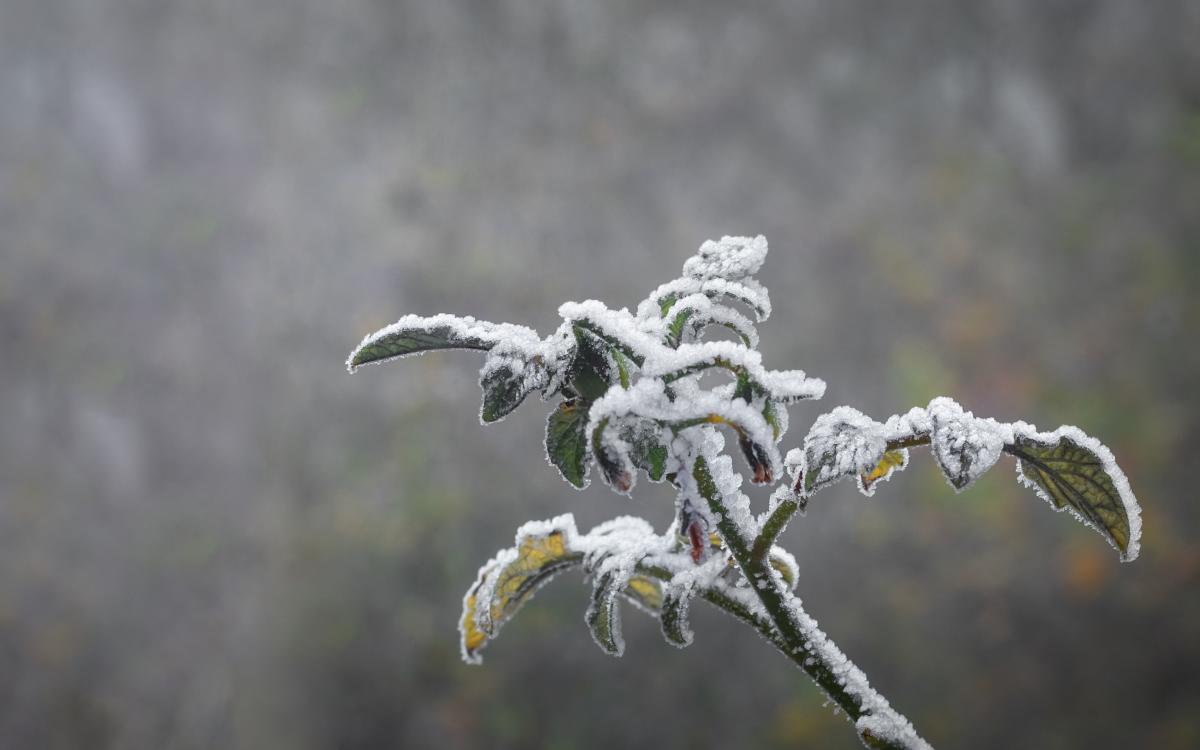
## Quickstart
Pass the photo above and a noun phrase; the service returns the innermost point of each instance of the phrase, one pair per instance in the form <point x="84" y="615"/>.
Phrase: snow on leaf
<point x="747" y="292"/>
<point x="1069" y="469"/>
<point x="414" y="334"/>
<point x="649" y="447"/>
<point x="505" y="382"/>
<point x="648" y="399"/>
<point x="785" y="386"/>
<point x="511" y="578"/>
<point x="965" y="446"/>
<point x="1075" y="472"/>
<point x="728" y="258"/>
<point x="566" y="441"/>
<point x="784" y="562"/>
<point x="841" y="443"/>
<point x="611" y="452"/>
<point x="695" y="312"/>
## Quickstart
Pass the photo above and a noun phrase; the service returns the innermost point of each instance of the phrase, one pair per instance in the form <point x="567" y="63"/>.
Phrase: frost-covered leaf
<point x="611" y="452"/>
<point x="783" y="561"/>
<point x="964" y="445"/>
<point x="1068" y="468"/>
<point x="414" y="334"/>
<point x="511" y="578"/>
<point x="692" y="314"/>
<point x="1073" y="471"/>
<point x="842" y="443"/>
<point x="747" y="292"/>
<point x="566" y="440"/>
<point x="649" y="447"/>
<point x="677" y="599"/>
<point x="728" y="258"/>
<point x="603" y="615"/>
<point x="784" y="386"/>
<point x="505" y="384"/>
<point x="892" y="461"/>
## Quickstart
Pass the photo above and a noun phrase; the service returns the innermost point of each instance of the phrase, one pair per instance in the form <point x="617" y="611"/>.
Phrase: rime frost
<point x="634" y="400"/>
<point x="1074" y="471"/>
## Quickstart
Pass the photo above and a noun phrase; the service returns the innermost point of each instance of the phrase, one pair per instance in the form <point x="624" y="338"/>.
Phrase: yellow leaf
<point x="645" y="592"/>
<point x="891" y="462"/>
<point x="510" y="580"/>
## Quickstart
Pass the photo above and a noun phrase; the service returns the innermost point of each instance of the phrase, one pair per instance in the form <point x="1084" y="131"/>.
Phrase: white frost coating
<point x="647" y="399"/>
<point x="850" y="677"/>
<point x="787" y="560"/>
<point x="747" y="291"/>
<point x="619" y="324"/>
<point x="913" y="423"/>
<point x="964" y="445"/>
<point x="705" y="312"/>
<point x="840" y="443"/>
<point x="464" y="329"/>
<point x="783" y="385"/>
<point x="890" y="727"/>
<point x="729" y="258"/>
<point x="1133" y="511"/>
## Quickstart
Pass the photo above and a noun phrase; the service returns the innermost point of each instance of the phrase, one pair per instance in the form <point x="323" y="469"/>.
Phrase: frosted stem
<point x="798" y="637"/>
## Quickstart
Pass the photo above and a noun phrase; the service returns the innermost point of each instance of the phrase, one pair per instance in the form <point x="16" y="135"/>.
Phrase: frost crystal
<point x="731" y="258"/>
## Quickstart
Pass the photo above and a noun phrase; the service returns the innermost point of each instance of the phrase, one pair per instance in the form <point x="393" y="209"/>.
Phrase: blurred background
<point x="212" y="536"/>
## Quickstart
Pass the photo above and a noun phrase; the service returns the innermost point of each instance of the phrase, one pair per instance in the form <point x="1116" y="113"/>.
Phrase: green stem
<point x="785" y="613"/>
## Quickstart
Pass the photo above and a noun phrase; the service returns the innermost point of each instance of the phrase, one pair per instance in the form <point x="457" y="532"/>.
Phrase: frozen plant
<point x="630" y="401"/>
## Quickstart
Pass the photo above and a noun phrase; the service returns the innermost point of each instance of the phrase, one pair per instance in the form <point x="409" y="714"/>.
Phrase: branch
<point x="879" y="725"/>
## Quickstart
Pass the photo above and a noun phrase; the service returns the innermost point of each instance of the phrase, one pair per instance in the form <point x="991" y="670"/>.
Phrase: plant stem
<point x="796" y="633"/>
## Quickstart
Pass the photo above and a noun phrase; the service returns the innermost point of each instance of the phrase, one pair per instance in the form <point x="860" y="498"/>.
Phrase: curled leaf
<point x="511" y="578"/>
<point x="566" y="441"/>
<point x="677" y="599"/>
<point x="414" y="334"/>
<point x="603" y="615"/>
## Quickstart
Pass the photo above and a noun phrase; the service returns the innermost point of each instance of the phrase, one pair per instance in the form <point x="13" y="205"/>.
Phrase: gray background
<point x="212" y="536"/>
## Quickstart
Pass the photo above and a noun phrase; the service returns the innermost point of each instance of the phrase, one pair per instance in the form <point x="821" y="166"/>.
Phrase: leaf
<point x="842" y="443"/>
<point x="603" y="615"/>
<point x="783" y="561"/>
<point x="674" y="615"/>
<point x="612" y="454"/>
<point x="566" y="440"/>
<point x="648" y="449"/>
<point x="1072" y="471"/>
<point x="503" y="389"/>
<point x="964" y="446"/>
<point x="892" y="461"/>
<point x="645" y="592"/>
<point x="510" y="580"/>
<point x="413" y="334"/>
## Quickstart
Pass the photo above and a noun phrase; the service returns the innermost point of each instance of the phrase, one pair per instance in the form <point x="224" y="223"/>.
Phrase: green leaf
<point x="649" y="451"/>
<point x="604" y="616"/>
<point x="413" y="334"/>
<point x="503" y="391"/>
<point x="615" y="466"/>
<point x="674" y="616"/>
<point x="1072" y="476"/>
<point x="566" y="440"/>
